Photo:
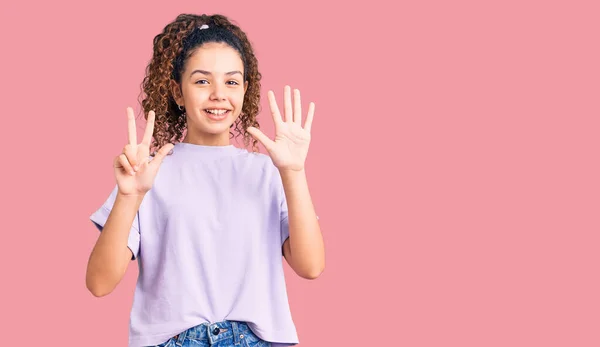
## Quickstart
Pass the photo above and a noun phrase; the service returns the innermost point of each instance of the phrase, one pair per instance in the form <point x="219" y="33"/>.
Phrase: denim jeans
<point x="219" y="334"/>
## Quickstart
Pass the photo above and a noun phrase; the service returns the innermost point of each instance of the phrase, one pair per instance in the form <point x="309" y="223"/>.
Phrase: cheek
<point x="238" y="99"/>
<point x="199" y="96"/>
<point x="194" y="94"/>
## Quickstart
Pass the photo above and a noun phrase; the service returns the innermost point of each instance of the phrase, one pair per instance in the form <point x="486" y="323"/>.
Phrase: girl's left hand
<point x="289" y="149"/>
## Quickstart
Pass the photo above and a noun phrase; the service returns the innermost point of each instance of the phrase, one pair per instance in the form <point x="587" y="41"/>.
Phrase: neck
<point x="207" y="139"/>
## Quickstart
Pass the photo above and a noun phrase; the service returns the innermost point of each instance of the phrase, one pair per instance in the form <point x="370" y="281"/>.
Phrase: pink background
<point x="454" y="165"/>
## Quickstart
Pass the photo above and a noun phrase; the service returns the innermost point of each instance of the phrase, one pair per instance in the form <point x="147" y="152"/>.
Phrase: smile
<point x="217" y="114"/>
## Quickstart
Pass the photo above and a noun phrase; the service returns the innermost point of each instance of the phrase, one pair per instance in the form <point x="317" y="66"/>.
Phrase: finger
<point x="274" y="108"/>
<point x="130" y="153"/>
<point x="260" y="137"/>
<point x="124" y="164"/>
<point x="309" y="117"/>
<point x="297" y="107"/>
<point x="287" y="104"/>
<point x="161" y="154"/>
<point x="149" y="129"/>
<point x="131" y="127"/>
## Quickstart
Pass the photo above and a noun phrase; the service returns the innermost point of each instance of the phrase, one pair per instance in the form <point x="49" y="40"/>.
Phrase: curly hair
<point x="172" y="48"/>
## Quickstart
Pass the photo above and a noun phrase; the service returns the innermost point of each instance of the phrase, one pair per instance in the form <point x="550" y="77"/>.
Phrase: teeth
<point x="218" y="112"/>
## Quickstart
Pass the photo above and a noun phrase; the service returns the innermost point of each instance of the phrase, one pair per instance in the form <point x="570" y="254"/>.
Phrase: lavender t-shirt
<point x="208" y="239"/>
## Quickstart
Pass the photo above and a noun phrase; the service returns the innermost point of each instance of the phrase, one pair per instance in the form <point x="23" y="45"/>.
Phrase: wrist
<point x="291" y="173"/>
<point x="135" y="197"/>
<point x="291" y="177"/>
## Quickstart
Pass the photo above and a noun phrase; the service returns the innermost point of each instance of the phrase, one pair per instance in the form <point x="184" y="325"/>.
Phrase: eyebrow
<point x="204" y="72"/>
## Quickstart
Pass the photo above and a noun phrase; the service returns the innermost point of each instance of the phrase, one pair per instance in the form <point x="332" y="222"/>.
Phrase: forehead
<point x="215" y="57"/>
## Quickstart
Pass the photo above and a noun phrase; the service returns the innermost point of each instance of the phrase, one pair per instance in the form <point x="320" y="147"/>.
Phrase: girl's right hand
<point x="134" y="170"/>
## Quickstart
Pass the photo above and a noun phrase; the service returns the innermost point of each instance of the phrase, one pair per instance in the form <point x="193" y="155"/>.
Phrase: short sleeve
<point x="283" y="217"/>
<point x="100" y="216"/>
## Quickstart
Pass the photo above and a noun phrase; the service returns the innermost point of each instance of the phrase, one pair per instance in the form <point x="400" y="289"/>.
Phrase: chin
<point x="212" y="126"/>
<point x="215" y="128"/>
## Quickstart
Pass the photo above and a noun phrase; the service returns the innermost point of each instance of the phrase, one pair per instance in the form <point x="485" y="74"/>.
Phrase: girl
<point x="208" y="222"/>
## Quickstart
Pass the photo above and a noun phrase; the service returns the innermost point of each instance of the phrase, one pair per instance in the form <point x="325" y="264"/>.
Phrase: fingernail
<point x="135" y="168"/>
<point x="131" y="173"/>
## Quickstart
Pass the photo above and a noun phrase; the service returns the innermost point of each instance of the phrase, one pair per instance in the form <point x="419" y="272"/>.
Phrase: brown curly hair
<point x="172" y="47"/>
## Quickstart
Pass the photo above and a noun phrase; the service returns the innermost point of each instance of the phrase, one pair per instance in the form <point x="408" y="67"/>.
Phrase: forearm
<point x="110" y="257"/>
<point x="306" y="246"/>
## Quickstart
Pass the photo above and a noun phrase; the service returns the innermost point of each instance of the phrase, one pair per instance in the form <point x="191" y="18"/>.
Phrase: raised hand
<point x="290" y="147"/>
<point x="134" y="170"/>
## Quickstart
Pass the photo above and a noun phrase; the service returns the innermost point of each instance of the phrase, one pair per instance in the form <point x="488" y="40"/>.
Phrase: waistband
<point x="214" y="332"/>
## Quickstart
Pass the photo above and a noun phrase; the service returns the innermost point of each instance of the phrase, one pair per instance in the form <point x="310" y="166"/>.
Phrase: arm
<point x="111" y="256"/>
<point x="135" y="173"/>
<point x="304" y="249"/>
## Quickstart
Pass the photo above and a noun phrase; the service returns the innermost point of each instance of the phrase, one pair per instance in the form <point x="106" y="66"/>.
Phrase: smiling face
<point x="212" y="92"/>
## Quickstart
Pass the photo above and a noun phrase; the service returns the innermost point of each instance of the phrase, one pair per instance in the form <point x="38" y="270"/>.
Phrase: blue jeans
<point x="219" y="334"/>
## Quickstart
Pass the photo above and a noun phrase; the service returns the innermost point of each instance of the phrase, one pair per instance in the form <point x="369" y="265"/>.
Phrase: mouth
<point x="217" y="113"/>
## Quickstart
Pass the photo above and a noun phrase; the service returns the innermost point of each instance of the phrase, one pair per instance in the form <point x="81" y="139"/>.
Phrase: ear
<point x="245" y="86"/>
<point x="176" y="91"/>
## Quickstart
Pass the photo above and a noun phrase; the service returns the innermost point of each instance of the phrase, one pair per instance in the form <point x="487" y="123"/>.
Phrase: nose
<point x="218" y="92"/>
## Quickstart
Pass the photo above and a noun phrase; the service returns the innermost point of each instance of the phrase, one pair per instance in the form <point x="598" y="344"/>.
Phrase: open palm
<point x="290" y="147"/>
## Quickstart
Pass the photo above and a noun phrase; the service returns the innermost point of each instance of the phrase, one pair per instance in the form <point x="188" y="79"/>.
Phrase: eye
<point x="233" y="82"/>
<point x="200" y="81"/>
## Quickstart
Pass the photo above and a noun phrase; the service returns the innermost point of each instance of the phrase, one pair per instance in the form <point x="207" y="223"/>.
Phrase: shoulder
<point x="259" y="160"/>
<point x="262" y="166"/>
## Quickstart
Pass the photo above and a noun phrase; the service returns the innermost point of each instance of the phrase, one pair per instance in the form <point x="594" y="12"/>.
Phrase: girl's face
<point x="212" y="92"/>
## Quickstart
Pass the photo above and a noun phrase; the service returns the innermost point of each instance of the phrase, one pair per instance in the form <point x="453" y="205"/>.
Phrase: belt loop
<point x="181" y="338"/>
<point x="236" y="333"/>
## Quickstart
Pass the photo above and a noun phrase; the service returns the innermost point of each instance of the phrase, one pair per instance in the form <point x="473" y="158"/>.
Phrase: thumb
<point x="260" y="136"/>
<point x="160" y="155"/>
